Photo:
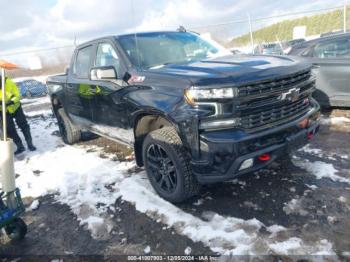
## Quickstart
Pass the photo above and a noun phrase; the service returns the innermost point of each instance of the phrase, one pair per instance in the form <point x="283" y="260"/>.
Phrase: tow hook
<point x="264" y="157"/>
<point x="310" y="135"/>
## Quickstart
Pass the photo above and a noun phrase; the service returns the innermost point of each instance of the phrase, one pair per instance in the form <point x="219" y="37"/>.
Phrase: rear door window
<point x="337" y="48"/>
<point x="83" y="62"/>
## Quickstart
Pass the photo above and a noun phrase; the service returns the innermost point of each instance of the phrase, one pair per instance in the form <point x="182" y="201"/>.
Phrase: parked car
<point x="193" y="112"/>
<point x="287" y="46"/>
<point x="32" y="88"/>
<point x="268" y="49"/>
<point x="331" y="59"/>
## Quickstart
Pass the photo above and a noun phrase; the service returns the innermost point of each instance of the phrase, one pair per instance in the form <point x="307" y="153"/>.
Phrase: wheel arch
<point x="56" y="104"/>
<point x="144" y="123"/>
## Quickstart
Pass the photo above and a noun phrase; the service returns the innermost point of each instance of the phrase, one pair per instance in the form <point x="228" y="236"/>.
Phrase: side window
<point x="82" y="62"/>
<point x="336" y="48"/>
<point x="107" y="56"/>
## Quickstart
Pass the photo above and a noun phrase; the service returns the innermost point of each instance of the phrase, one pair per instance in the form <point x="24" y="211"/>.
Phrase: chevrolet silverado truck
<point x="193" y="112"/>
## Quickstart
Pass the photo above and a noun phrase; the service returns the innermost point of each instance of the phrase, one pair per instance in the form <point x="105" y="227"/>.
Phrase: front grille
<point x="275" y="114"/>
<point x="275" y="85"/>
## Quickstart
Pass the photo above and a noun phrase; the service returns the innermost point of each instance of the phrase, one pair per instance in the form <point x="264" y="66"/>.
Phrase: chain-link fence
<point x="248" y="35"/>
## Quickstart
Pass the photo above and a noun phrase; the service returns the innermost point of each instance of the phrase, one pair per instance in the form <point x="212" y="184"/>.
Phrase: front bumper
<point x="221" y="153"/>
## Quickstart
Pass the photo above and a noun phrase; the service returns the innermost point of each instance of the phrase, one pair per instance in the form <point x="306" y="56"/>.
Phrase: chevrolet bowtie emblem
<point x="291" y="95"/>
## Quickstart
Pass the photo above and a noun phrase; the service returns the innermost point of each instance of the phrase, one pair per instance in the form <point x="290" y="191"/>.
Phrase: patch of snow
<point x="294" y="207"/>
<point x="187" y="250"/>
<point x="320" y="169"/>
<point x="331" y="219"/>
<point x="342" y="199"/>
<point x="320" y="153"/>
<point x="335" y="120"/>
<point x="275" y="229"/>
<point x="35" y="205"/>
<point x="285" y="247"/>
<point x="44" y="112"/>
<point x="308" y="149"/>
<point x="313" y="187"/>
<point x="35" y="101"/>
<point x="147" y="250"/>
<point x="344" y="156"/>
<point x="295" y="246"/>
<point x="94" y="224"/>
<point x="90" y="185"/>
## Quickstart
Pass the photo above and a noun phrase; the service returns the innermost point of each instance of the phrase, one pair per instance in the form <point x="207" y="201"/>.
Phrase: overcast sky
<point x="34" y="24"/>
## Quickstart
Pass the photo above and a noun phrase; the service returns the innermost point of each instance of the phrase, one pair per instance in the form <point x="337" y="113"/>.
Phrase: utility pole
<point x="251" y="33"/>
<point x="344" y="17"/>
<point x="4" y="131"/>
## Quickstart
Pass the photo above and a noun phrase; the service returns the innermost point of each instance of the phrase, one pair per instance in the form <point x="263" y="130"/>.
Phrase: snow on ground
<point x="36" y="101"/>
<point x="43" y="112"/>
<point x="90" y="185"/>
<point x="294" y="207"/>
<point x="335" y="120"/>
<point x="35" y="205"/>
<point x="320" y="169"/>
<point x="322" y="154"/>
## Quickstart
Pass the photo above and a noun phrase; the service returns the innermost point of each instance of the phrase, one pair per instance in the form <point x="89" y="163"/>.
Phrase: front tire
<point x="69" y="132"/>
<point x="167" y="163"/>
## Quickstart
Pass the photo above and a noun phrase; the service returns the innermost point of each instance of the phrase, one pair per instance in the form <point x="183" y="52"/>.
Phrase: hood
<point x="231" y="69"/>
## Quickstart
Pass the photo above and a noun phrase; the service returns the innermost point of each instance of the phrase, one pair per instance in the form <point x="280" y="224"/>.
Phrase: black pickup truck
<point x="193" y="112"/>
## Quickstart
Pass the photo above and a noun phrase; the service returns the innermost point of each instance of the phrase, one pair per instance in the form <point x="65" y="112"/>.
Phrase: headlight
<point x="193" y="95"/>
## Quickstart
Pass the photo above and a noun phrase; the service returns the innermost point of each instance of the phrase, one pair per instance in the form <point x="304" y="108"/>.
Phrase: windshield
<point x="153" y="50"/>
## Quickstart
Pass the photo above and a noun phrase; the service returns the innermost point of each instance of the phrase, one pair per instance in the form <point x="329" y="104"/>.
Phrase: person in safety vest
<point x="14" y="112"/>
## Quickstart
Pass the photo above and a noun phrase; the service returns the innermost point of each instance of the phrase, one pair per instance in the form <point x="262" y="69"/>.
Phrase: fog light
<point x="246" y="164"/>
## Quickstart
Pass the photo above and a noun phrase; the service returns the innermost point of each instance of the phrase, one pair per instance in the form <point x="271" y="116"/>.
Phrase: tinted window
<point x="107" y="56"/>
<point x="82" y="62"/>
<point x="332" y="49"/>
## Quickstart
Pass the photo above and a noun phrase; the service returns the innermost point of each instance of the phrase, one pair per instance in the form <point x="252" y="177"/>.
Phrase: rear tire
<point x="70" y="133"/>
<point x="16" y="230"/>
<point x="167" y="163"/>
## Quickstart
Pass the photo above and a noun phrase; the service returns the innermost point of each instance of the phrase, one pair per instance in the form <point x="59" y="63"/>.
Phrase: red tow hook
<point x="310" y="135"/>
<point x="264" y="157"/>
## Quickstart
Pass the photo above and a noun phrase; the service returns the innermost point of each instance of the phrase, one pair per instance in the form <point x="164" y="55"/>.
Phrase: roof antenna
<point x="135" y="35"/>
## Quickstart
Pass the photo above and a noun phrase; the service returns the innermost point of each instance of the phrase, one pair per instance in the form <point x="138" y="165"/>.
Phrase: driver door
<point x="109" y="110"/>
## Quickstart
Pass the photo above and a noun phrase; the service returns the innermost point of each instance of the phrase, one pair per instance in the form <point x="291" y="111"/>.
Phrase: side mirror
<point x="103" y="73"/>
